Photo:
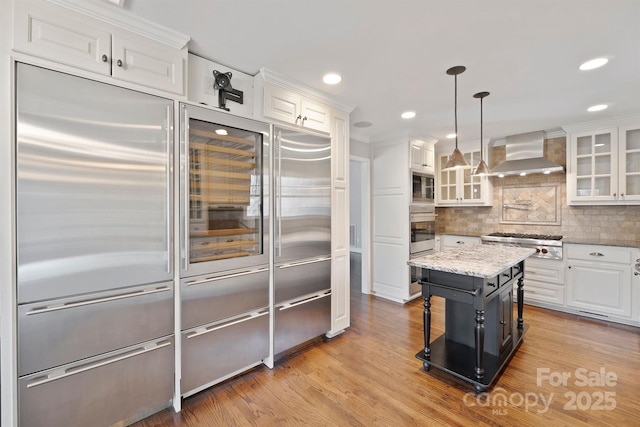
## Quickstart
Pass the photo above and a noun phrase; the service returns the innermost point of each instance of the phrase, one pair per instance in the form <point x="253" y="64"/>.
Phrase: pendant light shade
<point x="482" y="168"/>
<point x="456" y="160"/>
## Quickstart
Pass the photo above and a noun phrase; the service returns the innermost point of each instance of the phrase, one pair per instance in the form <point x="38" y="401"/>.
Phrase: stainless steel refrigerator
<point x="94" y="226"/>
<point x="224" y="283"/>
<point x="302" y="237"/>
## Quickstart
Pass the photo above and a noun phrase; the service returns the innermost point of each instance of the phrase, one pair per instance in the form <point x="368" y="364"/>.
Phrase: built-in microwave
<point x="423" y="188"/>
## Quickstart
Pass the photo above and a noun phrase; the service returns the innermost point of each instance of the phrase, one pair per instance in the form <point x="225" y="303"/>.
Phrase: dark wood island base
<point x="481" y="335"/>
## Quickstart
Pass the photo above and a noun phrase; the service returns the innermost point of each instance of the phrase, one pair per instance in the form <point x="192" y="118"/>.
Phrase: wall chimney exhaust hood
<point x="525" y="156"/>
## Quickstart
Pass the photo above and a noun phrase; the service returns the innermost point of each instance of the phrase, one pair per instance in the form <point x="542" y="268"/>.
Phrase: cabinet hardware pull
<point x="72" y="371"/>
<point x="58" y="307"/>
<point x="119" y="63"/>
<point x="493" y="285"/>
<point x="303" y="119"/>
<point x="636" y="274"/>
<point x="252" y="316"/>
<point x="505" y="275"/>
<point x="460" y="242"/>
<point x="105" y="58"/>
<point x="596" y="254"/>
<point x="298" y="118"/>
<point x="503" y="322"/>
<point x="228" y="276"/>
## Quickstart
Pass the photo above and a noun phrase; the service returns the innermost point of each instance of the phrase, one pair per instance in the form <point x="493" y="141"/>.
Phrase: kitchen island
<point x="480" y="334"/>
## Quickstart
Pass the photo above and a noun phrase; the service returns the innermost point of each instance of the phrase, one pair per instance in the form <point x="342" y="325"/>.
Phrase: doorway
<point x="359" y="224"/>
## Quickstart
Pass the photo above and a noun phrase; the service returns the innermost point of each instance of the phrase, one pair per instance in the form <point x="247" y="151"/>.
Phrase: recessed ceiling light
<point x="363" y="124"/>
<point x="593" y="63"/>
<point x="451" y="136"/>
<point x="332" y="78"/>
<point x="523" y="173"/>
<point x="598" y="107"/>
<point x="221" y="132"/>
<point x="408" y="115"/>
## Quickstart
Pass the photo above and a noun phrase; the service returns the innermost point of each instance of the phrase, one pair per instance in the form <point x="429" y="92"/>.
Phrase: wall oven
<point x="423" y="188"/>
<point x="423" y="229"/>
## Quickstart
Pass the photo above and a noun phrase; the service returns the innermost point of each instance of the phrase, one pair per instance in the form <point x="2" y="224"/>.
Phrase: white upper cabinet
<point x="290" y="107"/>
<point x="422" y="156"/>
<point x="458" y="187"/>
<point x="72" y="39"/>
<point x="604" y="163"/>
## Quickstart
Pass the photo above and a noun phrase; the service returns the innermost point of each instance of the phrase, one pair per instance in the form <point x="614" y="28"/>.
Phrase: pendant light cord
<point x="455" y="106"/>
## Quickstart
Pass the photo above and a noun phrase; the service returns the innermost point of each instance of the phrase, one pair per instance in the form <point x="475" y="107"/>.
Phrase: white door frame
<point x="365" y="202"/>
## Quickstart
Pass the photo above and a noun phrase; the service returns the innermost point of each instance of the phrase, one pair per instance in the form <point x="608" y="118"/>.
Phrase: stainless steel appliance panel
<point x="303" y="195"/>
<point x="214" y="351"/>
<point x="209" y="298"/>
<point x="224" y="202"/>
<point x="60" y="331"/>
<point x="297" y="278"/>
<point x="100" y="391"/>
<point x="298" y="321"/>
<point x="423" y="232"/>
<point x="93" y="186"/>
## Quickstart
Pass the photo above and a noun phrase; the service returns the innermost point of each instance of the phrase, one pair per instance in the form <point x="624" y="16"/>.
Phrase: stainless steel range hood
<point x="525" y="156"/>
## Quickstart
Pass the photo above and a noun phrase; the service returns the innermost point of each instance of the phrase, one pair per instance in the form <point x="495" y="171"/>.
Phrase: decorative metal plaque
<point x="539" y="204"/>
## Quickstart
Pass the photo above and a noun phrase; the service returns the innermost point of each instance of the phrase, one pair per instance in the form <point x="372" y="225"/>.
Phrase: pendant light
<point x="482" y="168"/>
<point x="457" y="159"/>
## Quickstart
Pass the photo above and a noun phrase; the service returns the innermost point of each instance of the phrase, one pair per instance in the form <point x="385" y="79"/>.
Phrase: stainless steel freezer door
<point x="294" y="279"/>
<point x="100" y="391"/>
<point x="301" y="320"/>
<point x="211" y="352"/>
<point x="61" y="331"/>
<point x="302" y="172"/>
<point x="93" y="186"/>
<point x="206" y="299"/>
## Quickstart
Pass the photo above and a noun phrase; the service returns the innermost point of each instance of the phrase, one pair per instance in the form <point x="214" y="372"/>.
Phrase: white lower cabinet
<point x="599" y="281"/>
<point x="543" y="282"/>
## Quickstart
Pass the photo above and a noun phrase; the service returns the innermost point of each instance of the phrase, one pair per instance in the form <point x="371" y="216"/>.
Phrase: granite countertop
<point x="484" y="261"/>
<point x="605" y="242"/>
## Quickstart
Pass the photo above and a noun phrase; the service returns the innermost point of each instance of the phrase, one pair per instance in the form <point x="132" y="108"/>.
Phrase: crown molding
<point x="627" y="120"/>
<point x="111" y="12"/>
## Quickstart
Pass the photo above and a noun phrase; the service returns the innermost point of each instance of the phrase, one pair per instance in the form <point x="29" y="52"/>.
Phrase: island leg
<point x="479" y="338"/>
<point x="427" y="330"/>
<point x="520" y="302"/>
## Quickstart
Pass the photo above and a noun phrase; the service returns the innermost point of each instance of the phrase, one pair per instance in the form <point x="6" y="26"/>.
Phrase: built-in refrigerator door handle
<point x="311" y="261"/>
<point x="169" y="129"/>
<point x="184" y="140"/>
<point x="289" y="305"/>
<point x="228" y="276"/>
<point x="56" y="375"/>
<point x="202" y="331"/>
<point x="58" y="307"/>
<point x="278" y="147"/>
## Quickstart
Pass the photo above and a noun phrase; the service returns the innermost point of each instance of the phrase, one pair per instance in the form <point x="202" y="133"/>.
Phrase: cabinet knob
<point x="614" y="194"/>
<point x="503" y="322"/>
<point x="303" y="119"/>
<point x="569" y="267"/>
<point x="621" y="194"/>
<point x="119" y="63"/>
<point x="104" y="58"/>
<point x="636" y="274"/>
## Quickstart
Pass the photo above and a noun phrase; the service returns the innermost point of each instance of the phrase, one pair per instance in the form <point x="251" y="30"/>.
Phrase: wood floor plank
<point x="368" y="376"/>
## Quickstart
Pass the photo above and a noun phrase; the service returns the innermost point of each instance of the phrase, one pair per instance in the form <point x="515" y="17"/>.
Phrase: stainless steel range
<point x="546" y="246"/>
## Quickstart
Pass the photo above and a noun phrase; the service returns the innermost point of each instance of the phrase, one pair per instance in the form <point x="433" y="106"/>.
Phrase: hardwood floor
<point x="368" y="376"/>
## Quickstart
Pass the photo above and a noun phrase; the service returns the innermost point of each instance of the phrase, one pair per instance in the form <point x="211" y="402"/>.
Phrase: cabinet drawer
<point x="63" y="331"/>
<point x="299" y="321"/>
<point x="214" y="351"/>
<point x="206" y="299"/>
<point x="599" y="253"/>
<point x="106" y="390"/>
<point x="535" y="291"/>
<point x="301" y="278"/>
<point x="544" y="270"/>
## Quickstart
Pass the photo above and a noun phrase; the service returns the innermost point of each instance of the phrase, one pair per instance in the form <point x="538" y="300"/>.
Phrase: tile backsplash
<point x="619" y="223"/>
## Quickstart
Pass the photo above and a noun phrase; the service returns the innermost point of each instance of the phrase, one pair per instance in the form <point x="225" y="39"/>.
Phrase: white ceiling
<point x="393" y="56"/>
